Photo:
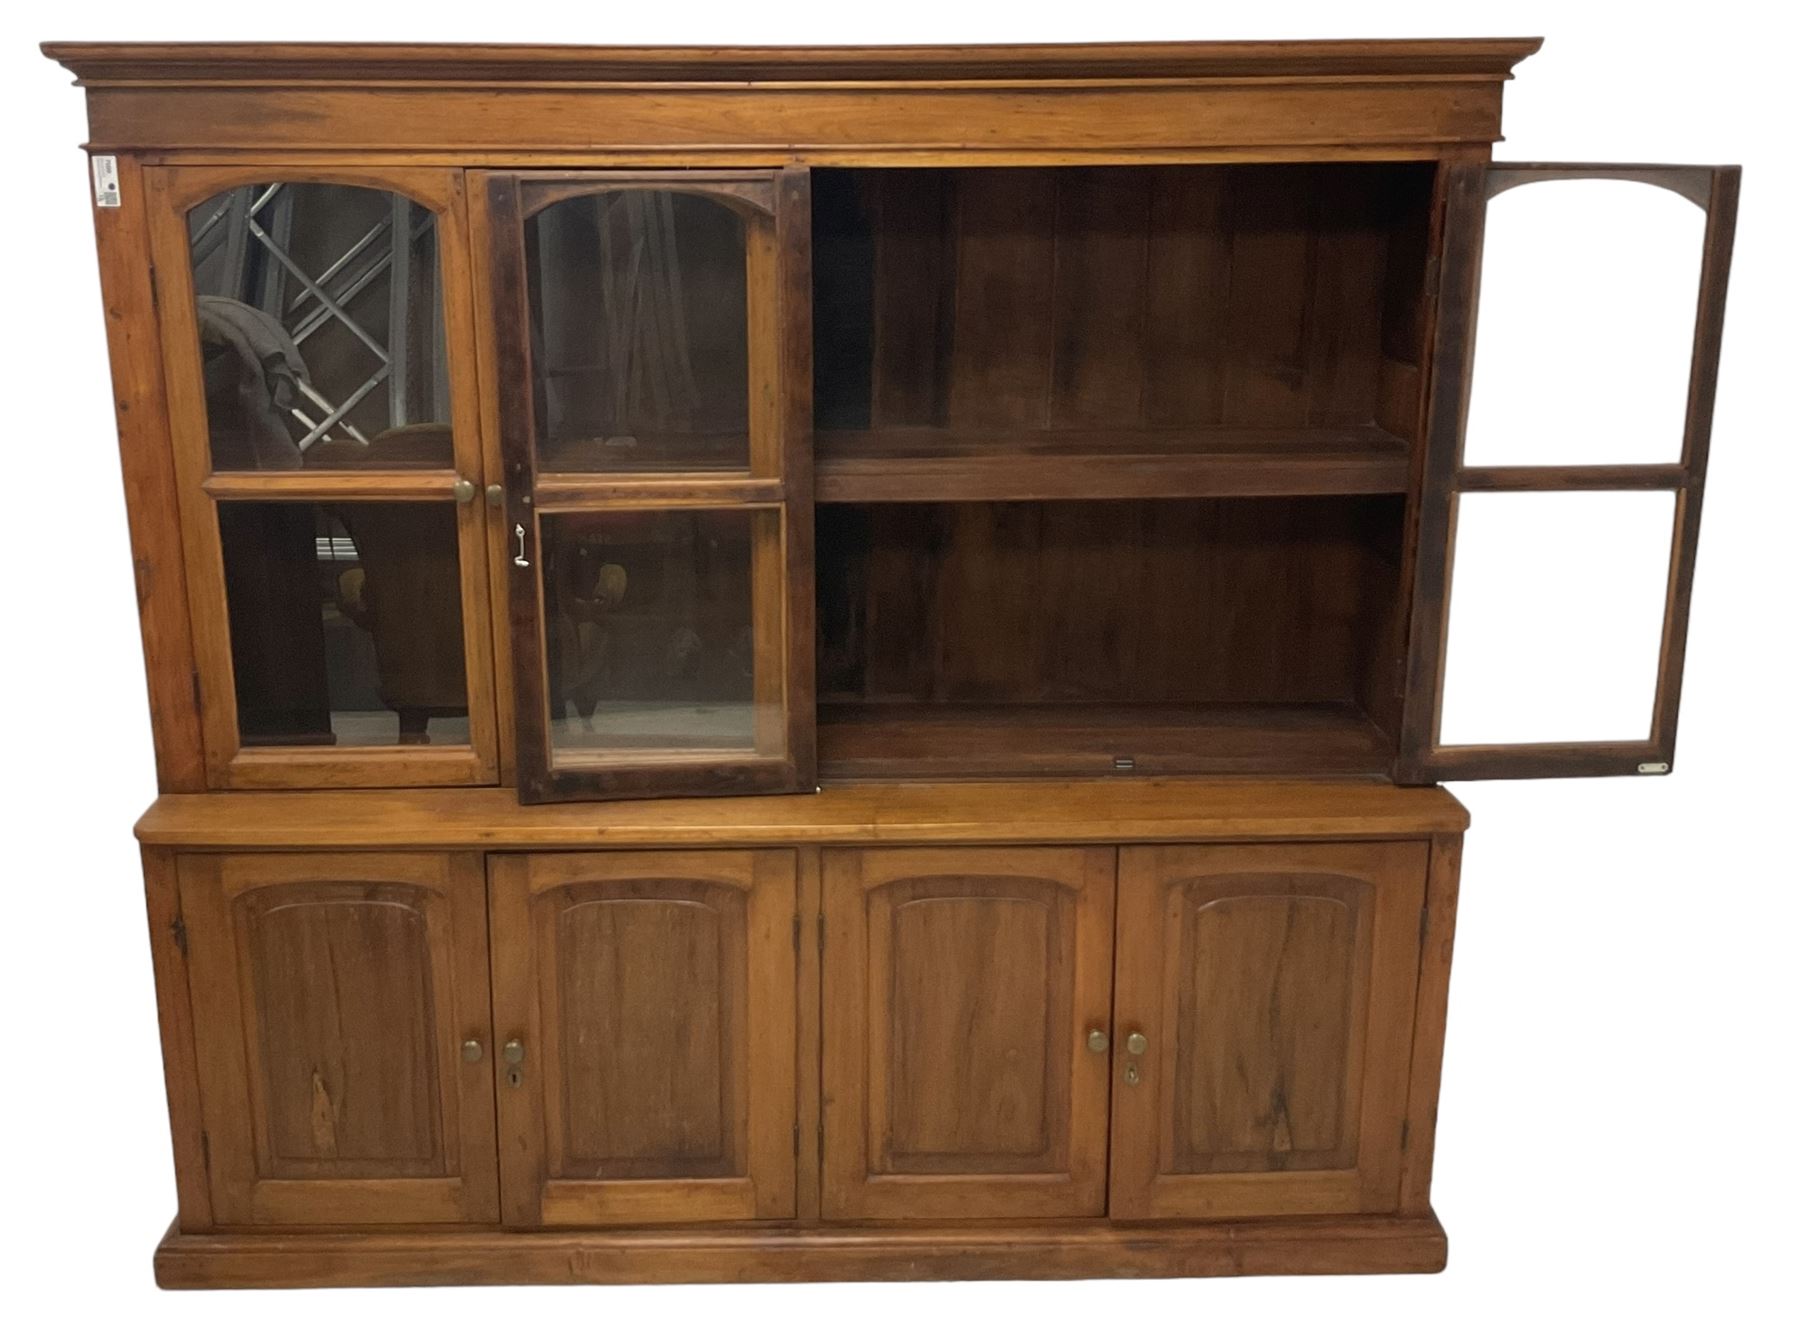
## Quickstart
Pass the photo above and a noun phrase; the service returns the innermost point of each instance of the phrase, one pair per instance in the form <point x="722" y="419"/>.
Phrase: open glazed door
<point x="1565" y="468"/>
<point x="654" y="365"/>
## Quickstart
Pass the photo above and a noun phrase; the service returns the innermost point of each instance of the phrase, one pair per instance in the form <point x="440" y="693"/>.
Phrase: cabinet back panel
<point x="1276" y="599"/>
<point x="1179" y="296"/>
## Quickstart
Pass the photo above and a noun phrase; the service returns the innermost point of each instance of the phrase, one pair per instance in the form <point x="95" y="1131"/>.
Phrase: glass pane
<point x="1586" y="326"/>
<point x="346" y="623"/>
<point x="321" y="329"/>
<point x="650" y="628"/>
<point x="1556" y="616"/>
<point x="639" y="333"/>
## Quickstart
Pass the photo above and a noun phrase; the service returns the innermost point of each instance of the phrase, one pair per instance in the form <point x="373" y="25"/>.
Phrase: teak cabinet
<point x="832" y="663"/>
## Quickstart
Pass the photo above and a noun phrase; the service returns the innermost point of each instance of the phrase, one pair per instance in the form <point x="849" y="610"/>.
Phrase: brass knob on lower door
<point x="1097" y="1041"/>
<point x="471" y="1050"/>
<point x="513" y="1052"/>
<point x="1136" y="1044"/>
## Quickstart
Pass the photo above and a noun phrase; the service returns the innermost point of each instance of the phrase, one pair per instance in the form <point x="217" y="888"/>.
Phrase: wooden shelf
<point x="914" y="741"/>
<point x="933" y="464"/>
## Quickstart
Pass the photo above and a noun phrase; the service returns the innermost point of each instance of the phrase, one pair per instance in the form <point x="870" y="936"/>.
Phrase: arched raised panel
<point x="1273" y="987"/>
<point x="963" y="985"/>
<point x="652" y="1000"/>
<point x="334" y="995"/>
<point x="968" y="1050"/>
<point x="345" y="1062"/>
<point x="649" y="995"/>
<point x="1268" y="1001"/>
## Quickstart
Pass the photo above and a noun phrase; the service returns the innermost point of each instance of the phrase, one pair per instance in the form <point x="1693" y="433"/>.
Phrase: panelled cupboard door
<point x="1574" y="441"/>
<point x="341" y="1029"/>
<point x="1264" y="1004"/>
<point x="968" y="1002"/>
<point x="319" y="353"/>
<point x="644" y="1004"/>
<point x="653" y="370"/>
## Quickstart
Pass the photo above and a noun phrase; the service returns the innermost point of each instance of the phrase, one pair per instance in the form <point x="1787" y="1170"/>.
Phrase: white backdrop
<point x="1618" y="1113"/>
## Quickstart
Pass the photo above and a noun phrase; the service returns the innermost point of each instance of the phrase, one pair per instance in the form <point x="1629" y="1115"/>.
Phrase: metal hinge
<point x="178" y="930"/>
<point x="1653" y="768"/>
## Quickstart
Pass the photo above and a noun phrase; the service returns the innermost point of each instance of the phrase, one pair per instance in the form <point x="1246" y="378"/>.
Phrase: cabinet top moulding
<point x="1066" y="103"/>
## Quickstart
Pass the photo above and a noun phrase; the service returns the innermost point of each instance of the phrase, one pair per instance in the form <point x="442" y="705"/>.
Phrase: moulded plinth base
<point x="1320" y="1245"/>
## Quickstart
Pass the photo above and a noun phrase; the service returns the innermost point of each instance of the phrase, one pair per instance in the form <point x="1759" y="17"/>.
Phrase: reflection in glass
<point x="1586" y="328"/>
<point x="1556" y="616"/>
<point x="321" y="328"/>
<point x="650" y="631"/>
<point x="639" y="330"/>
<point x="346" y="623"/>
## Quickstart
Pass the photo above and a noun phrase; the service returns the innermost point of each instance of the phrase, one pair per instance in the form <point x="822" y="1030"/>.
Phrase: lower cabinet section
<point x="610" y="1039"/>
<point x="645" y="1008"/>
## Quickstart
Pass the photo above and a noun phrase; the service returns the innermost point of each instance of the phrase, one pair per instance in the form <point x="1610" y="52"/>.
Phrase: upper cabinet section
<point x="819" y="105"/>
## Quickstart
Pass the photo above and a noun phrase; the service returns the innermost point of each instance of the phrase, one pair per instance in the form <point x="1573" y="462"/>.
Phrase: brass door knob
<point x="463" y="490"/>
<point x="495" y="494"/>
<point x="1136" y="1044"/>
<point x="513" y="1052"/>
<point x="471" y="1050"/>
<point x="1097" y="1041"/>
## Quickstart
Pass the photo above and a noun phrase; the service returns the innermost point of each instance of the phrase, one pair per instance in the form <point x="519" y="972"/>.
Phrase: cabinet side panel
<point x="175" y="1015"/>
<point x="1430" y="1013"/>
<point x="128" y="290"/>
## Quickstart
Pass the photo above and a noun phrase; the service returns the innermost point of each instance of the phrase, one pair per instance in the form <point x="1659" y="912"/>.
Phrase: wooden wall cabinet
<point x="832" y="663"/>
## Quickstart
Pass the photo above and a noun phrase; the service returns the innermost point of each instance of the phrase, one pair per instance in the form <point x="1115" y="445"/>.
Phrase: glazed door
<point x="1565" y="468"/>
<point x="968" y="999"/>
<point x="318" y="347"/>
<point x="654" y="388"/>
<point x="341" y="1031"/>
<point x="645" y="1008"/>
<point x="1264" y="1002"/>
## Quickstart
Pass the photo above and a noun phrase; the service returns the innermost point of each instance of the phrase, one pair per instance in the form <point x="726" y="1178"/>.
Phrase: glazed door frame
<point x="1382" y="887"/>
<point x="864" y="1175"/>
<point x="1422" y="758"/>
<point x="251" y="1182"/>
<point x="171" y="193"/>
<point x="774" y="490"/>
<point x="748" y="897"/>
